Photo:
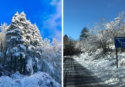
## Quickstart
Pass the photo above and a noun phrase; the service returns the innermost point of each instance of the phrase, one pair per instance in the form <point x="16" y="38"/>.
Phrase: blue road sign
<point x="119" y="42"/>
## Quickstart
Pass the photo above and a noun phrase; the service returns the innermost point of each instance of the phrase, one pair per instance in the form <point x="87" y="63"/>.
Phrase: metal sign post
<point x="116" y="59"/>
<point x="119" y="43"/>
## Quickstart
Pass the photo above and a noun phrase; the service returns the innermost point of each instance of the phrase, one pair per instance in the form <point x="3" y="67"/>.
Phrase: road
<point x="76" y="75"/>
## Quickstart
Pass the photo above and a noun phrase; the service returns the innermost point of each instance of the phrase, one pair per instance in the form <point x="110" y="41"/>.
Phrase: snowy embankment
<point x="105" y="67"/>
<point x="40" y="79"/>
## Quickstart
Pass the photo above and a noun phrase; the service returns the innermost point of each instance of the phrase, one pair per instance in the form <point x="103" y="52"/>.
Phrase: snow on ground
<point x="105" y="67"/>
<point x="40" y="79"/>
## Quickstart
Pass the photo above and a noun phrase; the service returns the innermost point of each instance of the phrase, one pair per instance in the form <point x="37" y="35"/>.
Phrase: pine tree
<point x="23" y="38"/>
<point x="84" y="33"/>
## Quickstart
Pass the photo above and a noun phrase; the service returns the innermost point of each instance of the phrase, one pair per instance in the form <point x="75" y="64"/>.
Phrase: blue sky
<point x="47" y="15"/>
<point x="79" y="13"/>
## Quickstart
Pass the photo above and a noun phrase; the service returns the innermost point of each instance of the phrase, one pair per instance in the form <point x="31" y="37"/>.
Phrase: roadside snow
<point x="40" y="79"/>
<point x="105" y="68"/>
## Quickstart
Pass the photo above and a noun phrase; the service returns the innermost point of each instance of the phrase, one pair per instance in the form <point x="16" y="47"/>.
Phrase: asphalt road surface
<point x="76" y="75"/>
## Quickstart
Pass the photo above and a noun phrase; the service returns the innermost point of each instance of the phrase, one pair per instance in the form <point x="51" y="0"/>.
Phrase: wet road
<point x="76" y="75"/>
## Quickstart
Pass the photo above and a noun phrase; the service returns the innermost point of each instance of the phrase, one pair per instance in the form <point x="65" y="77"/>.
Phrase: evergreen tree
<point x="69" y="46"/>
<point x="65" y="39"/>
<point x="84" y="33"/>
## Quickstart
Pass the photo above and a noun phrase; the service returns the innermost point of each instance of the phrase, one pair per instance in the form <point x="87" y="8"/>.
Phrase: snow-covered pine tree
<point x="23" y="38"/>
<point x="29" y="52"/>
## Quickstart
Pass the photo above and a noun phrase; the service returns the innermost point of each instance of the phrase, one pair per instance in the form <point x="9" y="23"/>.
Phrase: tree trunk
<point x="21" y="59"/>
<point x="1" y="46"/>
<point x="15" y="64"/>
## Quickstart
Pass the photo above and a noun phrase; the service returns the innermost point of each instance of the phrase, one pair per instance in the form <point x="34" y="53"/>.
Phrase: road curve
<point x="76" y="75"/>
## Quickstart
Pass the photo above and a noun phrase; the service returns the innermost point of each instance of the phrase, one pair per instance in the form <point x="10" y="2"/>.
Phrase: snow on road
<point x="105" y="68"/>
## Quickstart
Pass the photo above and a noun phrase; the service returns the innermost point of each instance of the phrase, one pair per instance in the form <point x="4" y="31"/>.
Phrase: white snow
<point x="21" y="27"/>
<point x="29" y="65"/>
<point x="22" y="14"/>
<point x="16" y="54"/>
<point x="40" y="48"/>
<point x="37" y="60"/>
<point x="13" y="37"/>
<point x="13" y="31"/>
<point x="14" y="49"/>
<point x="38" y="53"/>
<point x="17" y="30"/>
<point x="22" y="47"/>
<point x="40" y="79"/>
<point x="105" y="68"/>
<point x="16" y="14"/>
<point x="30" y="48"/>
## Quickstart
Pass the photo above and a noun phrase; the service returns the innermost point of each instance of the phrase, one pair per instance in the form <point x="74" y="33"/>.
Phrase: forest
<point x="99" y="36"/>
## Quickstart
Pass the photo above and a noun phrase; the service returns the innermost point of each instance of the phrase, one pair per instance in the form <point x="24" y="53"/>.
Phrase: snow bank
<point x="40" y="79"/>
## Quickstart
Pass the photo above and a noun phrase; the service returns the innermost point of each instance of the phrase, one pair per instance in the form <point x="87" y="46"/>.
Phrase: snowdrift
<point x="40" y="79"/>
